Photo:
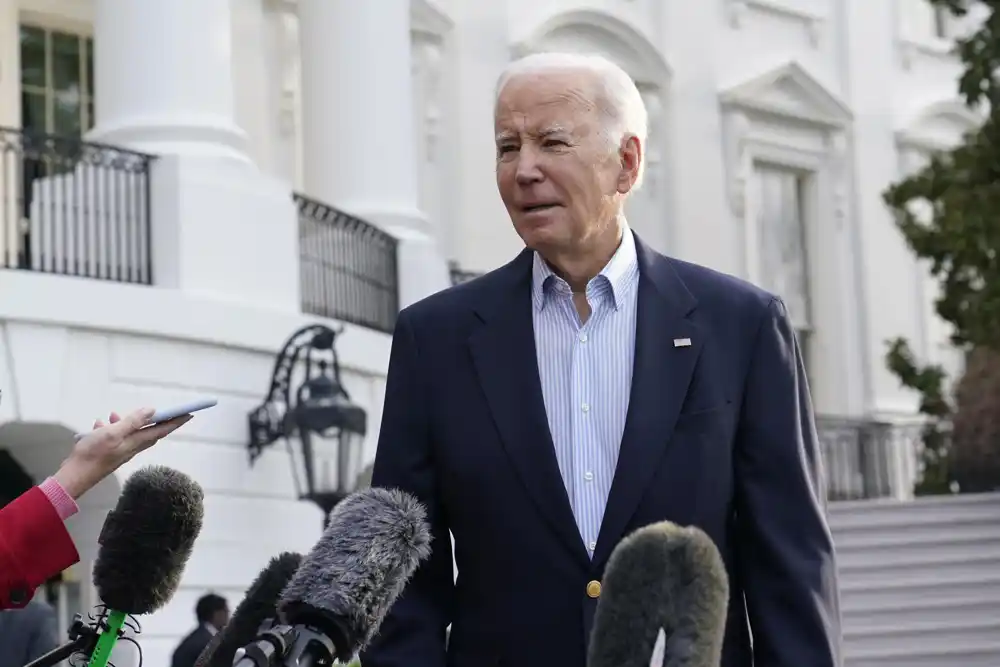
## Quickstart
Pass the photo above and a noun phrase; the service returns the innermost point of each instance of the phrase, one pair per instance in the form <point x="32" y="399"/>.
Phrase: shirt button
<point x="585" y="407"/>
<point x="592" y="546"/>
<point x="583" y="338"/>
<point x="588" y="475"/>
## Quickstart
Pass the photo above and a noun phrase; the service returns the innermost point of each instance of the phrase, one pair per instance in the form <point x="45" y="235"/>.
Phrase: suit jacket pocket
<point x="717" y="410"/>
<point x="710" y="426"/>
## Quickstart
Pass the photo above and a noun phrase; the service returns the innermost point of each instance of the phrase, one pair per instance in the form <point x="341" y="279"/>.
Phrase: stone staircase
<point x="920" y="581"/>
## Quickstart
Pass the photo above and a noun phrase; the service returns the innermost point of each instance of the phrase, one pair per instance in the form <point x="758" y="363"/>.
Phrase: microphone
<point x="664" y="601"/>
<point x="145" y="543"/>
<point x="344" y="587"/>
<point x="259" y="605"/>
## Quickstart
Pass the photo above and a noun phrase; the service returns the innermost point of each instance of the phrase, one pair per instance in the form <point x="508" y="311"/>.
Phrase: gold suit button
<point x="594" y="589"/>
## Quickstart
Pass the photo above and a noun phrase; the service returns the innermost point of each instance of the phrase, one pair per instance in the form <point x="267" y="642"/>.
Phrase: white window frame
<point x="779" y="160"/>
<point x="918" y="39"/>
<point x="786" y="118"/>
<point x="812" y="16"/>
<point x="935" y="128"/>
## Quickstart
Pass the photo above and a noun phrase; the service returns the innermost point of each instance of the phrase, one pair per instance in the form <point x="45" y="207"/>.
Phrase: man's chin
<point x="541" y="227"/>
<point x="544" y="243"/>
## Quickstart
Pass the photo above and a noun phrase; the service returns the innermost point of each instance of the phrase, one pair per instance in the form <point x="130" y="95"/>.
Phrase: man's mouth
<point x="535" y="208"/>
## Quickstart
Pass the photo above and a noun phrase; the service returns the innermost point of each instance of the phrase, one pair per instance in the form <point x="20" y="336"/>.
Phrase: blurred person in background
<point x="212" y="613"/>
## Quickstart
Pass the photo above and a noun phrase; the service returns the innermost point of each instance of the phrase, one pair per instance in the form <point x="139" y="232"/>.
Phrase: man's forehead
<point x="556" y="88"/>
<point x="543" y="104"/>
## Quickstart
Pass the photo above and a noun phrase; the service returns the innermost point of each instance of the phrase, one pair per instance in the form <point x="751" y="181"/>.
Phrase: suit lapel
<point x="503" y="351"/>
<point x="662" y="371"/>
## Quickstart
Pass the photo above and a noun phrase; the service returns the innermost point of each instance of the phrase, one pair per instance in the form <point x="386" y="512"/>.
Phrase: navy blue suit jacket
<point x="718" y="435"/>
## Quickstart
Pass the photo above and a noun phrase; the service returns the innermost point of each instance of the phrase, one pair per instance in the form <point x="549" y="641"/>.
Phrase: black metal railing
<point x="868" y="459"/>
<point x="459" y="275"/>
<point x="74" y="208"/>
<point x="349" y="269"/>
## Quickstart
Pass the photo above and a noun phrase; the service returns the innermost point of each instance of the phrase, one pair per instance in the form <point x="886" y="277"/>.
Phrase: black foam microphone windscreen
<point x="663" y="582"/>
<point x="259" y="605"/>
<point x="147" y="539"/>
<point x="372" y="545"/>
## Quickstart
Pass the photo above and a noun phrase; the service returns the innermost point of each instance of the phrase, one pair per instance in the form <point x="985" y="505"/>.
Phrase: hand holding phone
<point x="167" y="414"/>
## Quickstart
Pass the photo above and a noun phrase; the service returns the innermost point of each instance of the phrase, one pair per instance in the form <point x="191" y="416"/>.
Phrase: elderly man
<point x="587" y="388"/>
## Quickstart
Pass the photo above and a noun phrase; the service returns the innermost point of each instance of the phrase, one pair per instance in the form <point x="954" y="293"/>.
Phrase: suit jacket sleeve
<point x="413" y="633"/>
<point x="785" y="550"/>
<point x="34" y="546"/>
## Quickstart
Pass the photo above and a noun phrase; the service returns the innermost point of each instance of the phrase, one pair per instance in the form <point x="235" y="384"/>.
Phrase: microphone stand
<point x="281" y="645"/>
<point x="82" y="639"/>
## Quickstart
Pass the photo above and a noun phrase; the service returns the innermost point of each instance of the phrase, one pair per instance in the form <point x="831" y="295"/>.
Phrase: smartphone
<point x="167" y="414"/>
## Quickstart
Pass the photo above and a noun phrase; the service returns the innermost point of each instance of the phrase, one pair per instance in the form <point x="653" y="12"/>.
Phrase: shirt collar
<point x="617" y="277"/>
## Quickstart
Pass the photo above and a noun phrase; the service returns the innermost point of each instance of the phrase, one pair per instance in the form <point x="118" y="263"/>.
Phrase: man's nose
<point x="527" y="167"/>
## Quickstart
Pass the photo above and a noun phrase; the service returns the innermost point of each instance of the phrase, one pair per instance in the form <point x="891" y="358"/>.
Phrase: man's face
<point x="221" y="618"/>
<point x="559" y="179"/>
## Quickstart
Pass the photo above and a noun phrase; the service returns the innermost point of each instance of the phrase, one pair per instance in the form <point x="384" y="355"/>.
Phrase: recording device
<point x="145" y="543"/>
<point x="259" y="605"/>
<point x="167" y="414"/>
<point x="664" y="601"/>
<point x="344" y="587"/>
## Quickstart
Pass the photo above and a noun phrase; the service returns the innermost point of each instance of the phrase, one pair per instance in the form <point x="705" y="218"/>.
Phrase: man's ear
<point x="631" y="157"/>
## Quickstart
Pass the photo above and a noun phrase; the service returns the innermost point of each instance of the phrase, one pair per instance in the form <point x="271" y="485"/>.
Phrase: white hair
<point x="623" y="110"/>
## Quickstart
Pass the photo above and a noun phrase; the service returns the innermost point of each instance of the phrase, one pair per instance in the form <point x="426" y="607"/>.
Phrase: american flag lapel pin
<point x="682" y="342"/>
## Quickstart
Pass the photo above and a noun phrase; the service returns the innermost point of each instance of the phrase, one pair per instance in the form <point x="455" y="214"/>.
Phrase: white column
<point x="164" y="85"/>
<point x="168" y="76"/>
<point x="359" y="135"/>
<point x="890" y="307"/>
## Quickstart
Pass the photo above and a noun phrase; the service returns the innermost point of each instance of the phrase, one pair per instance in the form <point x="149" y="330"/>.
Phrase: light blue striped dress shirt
<point x="586" y="374"/>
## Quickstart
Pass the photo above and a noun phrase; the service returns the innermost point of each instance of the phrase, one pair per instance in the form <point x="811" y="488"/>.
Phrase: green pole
<point x="102" y="652"/>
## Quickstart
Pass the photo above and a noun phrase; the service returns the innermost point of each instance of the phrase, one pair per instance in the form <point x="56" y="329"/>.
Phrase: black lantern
<point x="318" y="411"/>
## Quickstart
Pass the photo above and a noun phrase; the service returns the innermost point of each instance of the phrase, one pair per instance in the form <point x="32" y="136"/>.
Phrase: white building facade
<point x="166" y="256"/>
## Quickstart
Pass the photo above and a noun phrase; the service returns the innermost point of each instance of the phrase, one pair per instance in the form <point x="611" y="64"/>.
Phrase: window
<point x="57" y="77"/>
<point x="781" y="195"/>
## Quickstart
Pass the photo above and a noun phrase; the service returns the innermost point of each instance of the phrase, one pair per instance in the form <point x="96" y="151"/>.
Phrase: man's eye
<point x="505" y="149"/>
<point x="550" y="143"/>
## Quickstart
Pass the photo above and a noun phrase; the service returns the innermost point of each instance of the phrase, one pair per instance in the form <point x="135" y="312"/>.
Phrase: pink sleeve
<point x="64" y="504"/>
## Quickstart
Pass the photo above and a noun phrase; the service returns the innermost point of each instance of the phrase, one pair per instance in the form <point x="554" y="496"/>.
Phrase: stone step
<point x="980" y="654"/>
<point x="921" y="638"/>
<point x="944" y="611"/>
<point x="873" y="514"/>
<point x="881" y="539"/>
<point x="912" y="591"/>
<point x="878" y="558"/>
<point x="874" y="572"/>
